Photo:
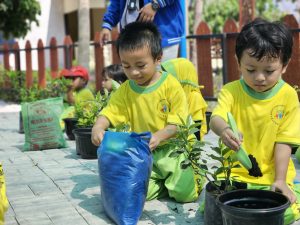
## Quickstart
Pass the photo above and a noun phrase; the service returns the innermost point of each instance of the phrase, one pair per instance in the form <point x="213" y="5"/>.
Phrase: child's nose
<point x="259" y="76"/>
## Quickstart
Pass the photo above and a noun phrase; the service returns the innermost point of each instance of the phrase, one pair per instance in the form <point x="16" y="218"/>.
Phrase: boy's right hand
<point x="97" y="136"/>
<point x="105" y="36"/>
<point x="229" y="139"/>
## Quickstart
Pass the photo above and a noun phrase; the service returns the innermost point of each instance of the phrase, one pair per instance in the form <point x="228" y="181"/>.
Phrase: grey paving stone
<point x="58" y="187"/>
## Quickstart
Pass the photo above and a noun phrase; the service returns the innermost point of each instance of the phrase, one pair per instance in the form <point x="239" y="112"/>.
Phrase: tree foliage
<point x="215" y="13"/>
<point x="17" y="16"/>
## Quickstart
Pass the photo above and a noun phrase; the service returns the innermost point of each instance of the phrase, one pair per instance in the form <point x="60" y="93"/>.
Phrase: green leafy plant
<point x="200" y="154"/>
<point x="10" y="84"/>
<point x="17" y="16"/>
<point x="55" y="88"/>
<point x="87" y="111"/>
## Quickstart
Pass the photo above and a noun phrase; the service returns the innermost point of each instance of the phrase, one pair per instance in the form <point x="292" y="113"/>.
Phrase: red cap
<point x="76" y="71"/>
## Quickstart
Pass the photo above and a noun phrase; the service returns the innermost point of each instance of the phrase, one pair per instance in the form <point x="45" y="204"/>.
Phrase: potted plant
<point x="215" y="163"/>
<point x="209" y="162"/>
<point x="86" y="114"/>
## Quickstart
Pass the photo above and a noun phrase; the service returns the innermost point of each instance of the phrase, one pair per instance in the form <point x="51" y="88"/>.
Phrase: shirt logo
<point x="277" y="114"/>
<point x="163" y="107"/>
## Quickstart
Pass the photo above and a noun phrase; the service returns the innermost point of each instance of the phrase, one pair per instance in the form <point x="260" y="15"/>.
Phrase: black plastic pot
<point x="70" y="125"/>
<point x="208" y="115"/>
<point x="212" y="212"/>
<point x="21" y="127"/>
<point x="84" y="145"/>
<point x="253" y="207"/>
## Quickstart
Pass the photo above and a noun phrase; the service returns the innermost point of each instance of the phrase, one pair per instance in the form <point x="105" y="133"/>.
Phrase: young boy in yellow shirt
<point x="150" y="100"/>
<point x="266" y="110"/>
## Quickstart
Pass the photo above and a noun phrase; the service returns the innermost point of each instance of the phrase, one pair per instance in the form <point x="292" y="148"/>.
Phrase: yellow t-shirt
<point x="186" y="73"/>
<point x="264" y="119"/>
<point x="84" y="94"/>
<point x="3" y="198"/>
<point x="81" y="96"/>
<point x="147" y="108"/>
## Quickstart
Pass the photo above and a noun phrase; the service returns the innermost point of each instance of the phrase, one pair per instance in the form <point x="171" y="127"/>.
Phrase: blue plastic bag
<point x="125" y="164"/>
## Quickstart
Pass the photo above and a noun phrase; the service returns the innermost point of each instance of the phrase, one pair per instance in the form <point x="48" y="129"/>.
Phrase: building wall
<point x="52" y="24"/>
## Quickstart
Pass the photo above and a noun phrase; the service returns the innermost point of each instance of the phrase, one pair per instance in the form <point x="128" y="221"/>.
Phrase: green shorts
<point x="168" y="179"/>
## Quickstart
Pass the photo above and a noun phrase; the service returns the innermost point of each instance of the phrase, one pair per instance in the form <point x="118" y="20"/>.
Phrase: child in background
<point x="77" y="91"/>
<point x="113" y="76"/>
<point x="266" y="110"/>
<point x="150" y="100"/>
<point x="3" y="198"/>
<point x="185" y="72"/>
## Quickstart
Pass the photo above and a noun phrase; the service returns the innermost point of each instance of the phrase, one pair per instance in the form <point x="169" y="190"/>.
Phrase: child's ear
<point x="237" y="62"/>
<point x="158" y="59"/>
<point x="285" y="67"/>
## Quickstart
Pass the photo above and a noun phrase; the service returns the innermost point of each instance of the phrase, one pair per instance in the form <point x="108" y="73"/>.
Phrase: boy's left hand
<point x="284" y="188"/>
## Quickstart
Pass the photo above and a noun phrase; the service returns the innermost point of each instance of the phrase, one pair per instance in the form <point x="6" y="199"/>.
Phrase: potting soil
<point x="255" y="170"/>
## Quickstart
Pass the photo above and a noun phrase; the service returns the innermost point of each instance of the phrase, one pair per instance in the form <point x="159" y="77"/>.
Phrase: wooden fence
<point x="203" y="38"/>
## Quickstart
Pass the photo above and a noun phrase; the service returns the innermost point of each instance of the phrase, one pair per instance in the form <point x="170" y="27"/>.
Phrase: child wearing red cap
<point x="77" y="92"/>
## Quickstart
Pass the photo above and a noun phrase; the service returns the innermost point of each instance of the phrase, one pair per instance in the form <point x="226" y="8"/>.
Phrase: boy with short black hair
<point x="265" y="108"/>
<point x="150" y="100"/>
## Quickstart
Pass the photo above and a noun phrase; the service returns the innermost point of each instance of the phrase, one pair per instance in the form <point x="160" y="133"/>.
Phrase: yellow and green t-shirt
<point x="148" y="108"/>
<point x="84" y="94"/>
<point x="264" y="119"/>
<point x="81" y="96"/>
<point x="185" y="72"/>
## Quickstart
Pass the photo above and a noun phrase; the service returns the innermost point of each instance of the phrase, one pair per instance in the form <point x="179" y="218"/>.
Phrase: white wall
<point x="51" y="23"/>
<point x="72" y="5"/>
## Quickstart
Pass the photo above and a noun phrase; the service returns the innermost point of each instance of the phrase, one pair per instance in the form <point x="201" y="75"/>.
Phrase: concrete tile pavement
<point x="56" y="186"/>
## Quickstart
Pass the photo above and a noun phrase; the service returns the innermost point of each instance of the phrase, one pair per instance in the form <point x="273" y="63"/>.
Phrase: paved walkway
<point x="58" y="187"/>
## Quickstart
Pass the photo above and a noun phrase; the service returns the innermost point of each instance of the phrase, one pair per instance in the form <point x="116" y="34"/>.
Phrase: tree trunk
<point x="247" y="11"/>
<point x="83" y="33"/>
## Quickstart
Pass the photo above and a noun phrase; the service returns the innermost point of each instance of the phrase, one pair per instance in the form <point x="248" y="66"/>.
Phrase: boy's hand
<point x="284" y="188"/>
<point x="147" y="14"/>
<point x="230" y="140"/>
<point x="97" y="136"/>
<point x="154" y="142"/>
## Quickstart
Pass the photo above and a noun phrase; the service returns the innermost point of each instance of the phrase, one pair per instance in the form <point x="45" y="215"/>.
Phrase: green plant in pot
<point x="86" y="114"/>
<point x="209" y="162"/>
<point x="215" y="163"/>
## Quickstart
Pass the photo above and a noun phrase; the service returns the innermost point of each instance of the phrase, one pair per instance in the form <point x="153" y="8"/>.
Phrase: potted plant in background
<point x="86" y="114"/>
<point x="215" y="163"/>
